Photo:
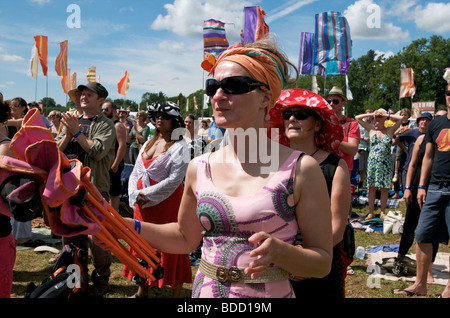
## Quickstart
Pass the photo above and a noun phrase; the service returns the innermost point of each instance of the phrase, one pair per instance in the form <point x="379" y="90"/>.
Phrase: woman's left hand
<point x="264" y="254"/>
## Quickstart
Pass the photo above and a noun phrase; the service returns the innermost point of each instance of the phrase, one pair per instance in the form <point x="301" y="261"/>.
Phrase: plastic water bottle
<point x="360" y="252"/>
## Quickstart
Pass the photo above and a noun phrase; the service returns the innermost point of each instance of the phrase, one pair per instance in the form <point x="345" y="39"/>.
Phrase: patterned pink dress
<point x="229" y="221"/>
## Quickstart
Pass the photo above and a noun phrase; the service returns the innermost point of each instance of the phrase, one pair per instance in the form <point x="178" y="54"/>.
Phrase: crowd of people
<point x="269" y="208"/>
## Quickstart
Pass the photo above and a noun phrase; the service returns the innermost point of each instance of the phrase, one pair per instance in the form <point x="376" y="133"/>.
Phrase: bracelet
<point x="137" y="226"/>
<point x="77" y="134"/>
<point x="421" y="187"/>
<point x="407" y="188"/>
<point x="389" y="115"/>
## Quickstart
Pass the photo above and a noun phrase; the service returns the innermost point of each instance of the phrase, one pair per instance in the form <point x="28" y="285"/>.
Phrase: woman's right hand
<point x="140" y="199"/>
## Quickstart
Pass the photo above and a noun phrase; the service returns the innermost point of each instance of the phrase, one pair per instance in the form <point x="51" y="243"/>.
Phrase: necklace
<point x="312" y="155"/>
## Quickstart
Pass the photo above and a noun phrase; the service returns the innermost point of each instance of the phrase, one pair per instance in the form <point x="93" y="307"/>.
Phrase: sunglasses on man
<point x="233" y="85"/>
<point x="334" y="101"/>
<point x="298" y="114"/>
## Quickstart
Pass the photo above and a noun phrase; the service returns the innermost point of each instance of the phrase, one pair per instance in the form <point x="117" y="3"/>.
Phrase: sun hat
<point x="71" y="94"/>
<point x="169" y="108"/>
<point x="424" y="115"/>
<point x="336" y="91"/>
<point x="330" y="135"/>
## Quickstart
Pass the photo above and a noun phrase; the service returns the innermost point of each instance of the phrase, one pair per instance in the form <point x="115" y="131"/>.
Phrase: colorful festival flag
<point x="333" y="40"/>
<point x="214" y="37"/>
<point x="124" y="83"/>
<point x="307" y="60"/>
<point x="337" y="67"/>
<point x="73" y="81"/>
<point x="41" y="45"/>
<point x="407" y="87"/>
<point x="65" y="81"/>
<point x="91" y="74"/>
<point x="255" y="27"/>
<point x="61" y="60"/>
<point x="33" y="63"/>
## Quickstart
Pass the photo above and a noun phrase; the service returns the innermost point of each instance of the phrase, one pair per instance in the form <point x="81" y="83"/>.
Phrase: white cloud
<point x="5" y="57"/>
<point x="40" y="2"/>
<point x="434" y="17"/>
<point x="366" y="23"/>
<point x="384" y="55"/>
<point x="401" y="8"/>
<point x="185" y="17"/>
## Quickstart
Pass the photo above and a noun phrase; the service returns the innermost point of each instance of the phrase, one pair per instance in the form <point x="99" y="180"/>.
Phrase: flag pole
<point x="35" y="87"/>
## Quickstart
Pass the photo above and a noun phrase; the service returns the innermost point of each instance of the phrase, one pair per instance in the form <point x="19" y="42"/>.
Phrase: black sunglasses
<point x="163" y="115"/>
<point x="334" y="101"/>
<point x="298" y="114"/>
<point x="233" y="85"/>
<point x="447" y="93"/>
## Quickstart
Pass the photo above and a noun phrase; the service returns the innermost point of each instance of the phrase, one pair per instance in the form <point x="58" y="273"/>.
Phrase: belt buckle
<point x="233" y="274"/>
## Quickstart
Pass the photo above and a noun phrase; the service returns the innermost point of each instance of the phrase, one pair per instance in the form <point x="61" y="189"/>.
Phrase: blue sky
<point x="160" y="44"/>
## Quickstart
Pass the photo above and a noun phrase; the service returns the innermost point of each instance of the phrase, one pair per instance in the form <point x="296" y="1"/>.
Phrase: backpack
<point x="68" y="279"/>
<point x="402" y="266"/>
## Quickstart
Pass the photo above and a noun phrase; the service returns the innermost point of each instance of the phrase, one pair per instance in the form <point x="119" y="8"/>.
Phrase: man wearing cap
<point x="91" y="138"/>
<point x="409" y="138"/>
<point x="349" y="145"/>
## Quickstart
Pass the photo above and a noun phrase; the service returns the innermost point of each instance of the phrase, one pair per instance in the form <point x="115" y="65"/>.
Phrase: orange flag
<point x="124" y="84"/>
<point x="73" y="81"/>
<point x="407" y="87"/>
<point x="65" y="81"/>
<point x="61" y="60"/>
<point x="41" y="45"/>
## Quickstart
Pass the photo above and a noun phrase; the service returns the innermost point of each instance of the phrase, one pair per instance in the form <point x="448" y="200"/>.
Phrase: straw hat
<point x="337" y="91"/>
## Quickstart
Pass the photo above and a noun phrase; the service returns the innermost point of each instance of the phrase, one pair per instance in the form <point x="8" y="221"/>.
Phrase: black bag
<point x="402" y="266"/>
<point x="68" y="279"/>
<point x="349" y="241"/>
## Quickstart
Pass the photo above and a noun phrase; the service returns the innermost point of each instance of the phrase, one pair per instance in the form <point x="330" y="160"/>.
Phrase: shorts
<point x="434" y="220"/>
<point x="115" y="188"/>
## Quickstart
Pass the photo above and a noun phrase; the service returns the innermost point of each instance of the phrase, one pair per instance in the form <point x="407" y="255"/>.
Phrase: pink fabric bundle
<point x="61" y="179"/>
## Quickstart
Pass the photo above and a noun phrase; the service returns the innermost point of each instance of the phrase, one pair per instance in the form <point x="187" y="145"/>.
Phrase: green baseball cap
<point x="95" y="87"/>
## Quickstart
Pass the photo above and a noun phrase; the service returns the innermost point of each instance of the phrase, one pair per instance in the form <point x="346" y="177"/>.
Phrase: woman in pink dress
<point x="248" y="199"/>
<point x="155" y="190"/>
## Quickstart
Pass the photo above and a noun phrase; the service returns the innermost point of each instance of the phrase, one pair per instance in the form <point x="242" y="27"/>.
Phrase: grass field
<point x="33" y="267"/>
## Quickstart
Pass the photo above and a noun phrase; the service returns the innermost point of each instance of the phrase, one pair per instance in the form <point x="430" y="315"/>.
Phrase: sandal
<point x="404" y="291"/>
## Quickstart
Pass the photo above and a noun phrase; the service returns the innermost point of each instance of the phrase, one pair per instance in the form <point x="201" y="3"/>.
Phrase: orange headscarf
<point x="261" y="65"/>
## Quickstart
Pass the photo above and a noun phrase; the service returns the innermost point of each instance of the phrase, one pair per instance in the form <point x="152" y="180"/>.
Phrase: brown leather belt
<point x="237" y="275"/>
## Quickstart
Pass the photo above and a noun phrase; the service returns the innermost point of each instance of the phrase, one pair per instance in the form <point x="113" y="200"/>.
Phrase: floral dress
<point x="379" y="163"/>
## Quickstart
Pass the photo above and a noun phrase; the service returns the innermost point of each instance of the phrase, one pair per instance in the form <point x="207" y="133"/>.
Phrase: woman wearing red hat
<point x="308" y="123"/>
